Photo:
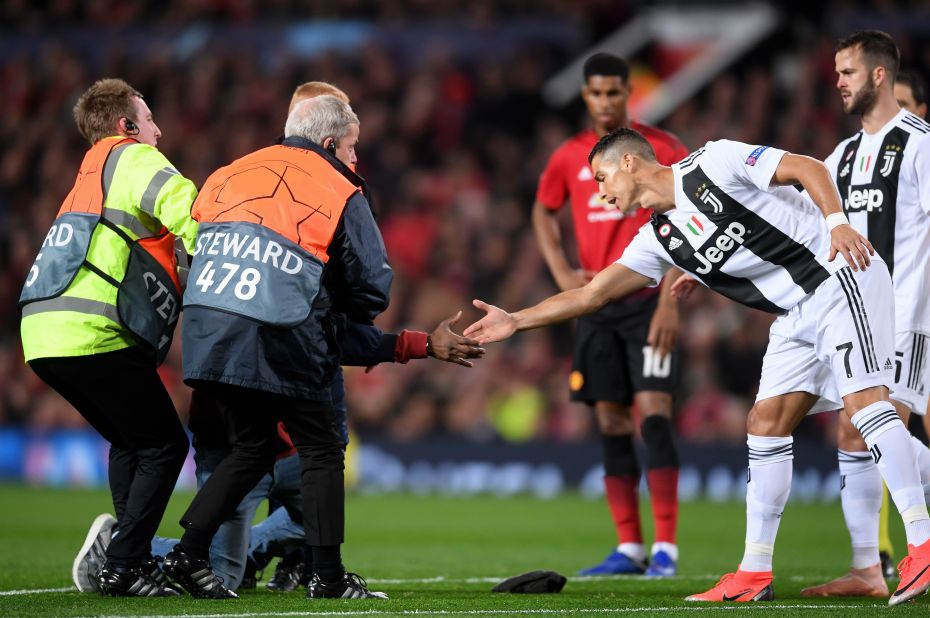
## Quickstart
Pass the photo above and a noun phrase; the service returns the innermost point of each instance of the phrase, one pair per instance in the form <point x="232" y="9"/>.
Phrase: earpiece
<point x="331" y="147"/>
<point x="131" y="128"/>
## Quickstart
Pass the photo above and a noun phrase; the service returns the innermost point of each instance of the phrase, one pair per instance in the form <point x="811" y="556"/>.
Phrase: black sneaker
<point x="287" y="577"/>
<point x="129" y="582"/>
<point x="889" y="570"/>
<point x="352" y="586"/>
<point x="151" y="568"/>
<point x="195" y="576"/>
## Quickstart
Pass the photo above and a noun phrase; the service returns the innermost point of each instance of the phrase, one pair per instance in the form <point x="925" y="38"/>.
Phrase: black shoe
<point x="195" y="576"/>
<point x="287" y="577"/>
<point x="151" y="568"/>
<point x="250" y="576"/>
<point x="129" y="582"/>
<point x="889" y="570"/>
<point x="351" y="586"/>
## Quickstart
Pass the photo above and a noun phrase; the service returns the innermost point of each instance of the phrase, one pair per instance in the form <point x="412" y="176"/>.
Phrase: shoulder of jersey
<point x="914" y="124"/>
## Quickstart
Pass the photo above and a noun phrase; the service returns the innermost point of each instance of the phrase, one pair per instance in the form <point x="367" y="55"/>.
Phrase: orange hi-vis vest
<point x="266" y="223"/>
<point x="149" y="293"/>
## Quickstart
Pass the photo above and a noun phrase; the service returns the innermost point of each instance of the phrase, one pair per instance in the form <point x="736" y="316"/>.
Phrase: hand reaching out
<point x="446" y="345"/>
<point x="497" y="325"/>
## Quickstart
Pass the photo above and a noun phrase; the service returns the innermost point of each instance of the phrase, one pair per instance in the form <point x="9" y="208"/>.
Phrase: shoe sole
<point x="909" y="595"/>
<point x="77" y="574"/>
<point x="766" y="594"/>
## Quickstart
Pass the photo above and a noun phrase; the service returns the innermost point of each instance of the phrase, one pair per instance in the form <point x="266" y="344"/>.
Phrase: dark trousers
<point x="250" y="419"/>
<point x="122" y="397"/>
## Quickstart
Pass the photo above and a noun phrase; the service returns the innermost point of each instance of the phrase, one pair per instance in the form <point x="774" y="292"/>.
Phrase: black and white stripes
<point x="769" y="450"/>
<point x="916" y="123"/>
<point x="918" y="358"/>
<point x="860" y="319"/>
<point x="874" y="420"/>
<point x="851" y="457"/>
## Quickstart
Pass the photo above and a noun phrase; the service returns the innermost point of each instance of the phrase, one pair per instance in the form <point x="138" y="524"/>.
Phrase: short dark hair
<point x="877" y="47"/>
<point x="915" y="82"/>
<point x="606" y="64"/>
<point x="623" y="141"/>
<point x="101" y="106"/>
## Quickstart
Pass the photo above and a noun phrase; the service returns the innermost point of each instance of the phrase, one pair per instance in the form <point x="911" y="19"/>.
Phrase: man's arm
<point x="612" y="283"/>
<point x="815" y="178"/>
<point x="549" y="237"/>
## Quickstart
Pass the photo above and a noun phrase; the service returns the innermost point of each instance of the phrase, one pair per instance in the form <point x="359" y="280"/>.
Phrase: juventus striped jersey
<point x="765" y="247"/>
<point x="884" y="181"/>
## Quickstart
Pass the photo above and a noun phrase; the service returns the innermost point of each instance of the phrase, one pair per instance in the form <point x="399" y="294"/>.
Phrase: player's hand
<point x="447" y="346"/>
<point x="663" y="328"/>
<point x="854" y="246"/>
<point x="571" y="279"/>
<point x="497" y="325"/>
<point x="683" y="286"/>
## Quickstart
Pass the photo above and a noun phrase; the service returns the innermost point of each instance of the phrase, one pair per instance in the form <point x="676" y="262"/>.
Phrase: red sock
<point x="663" y="491"/>
<point x="623" y="499"/>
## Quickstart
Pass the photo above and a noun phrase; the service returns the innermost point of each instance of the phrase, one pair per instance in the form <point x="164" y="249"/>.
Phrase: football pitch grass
<point x="438" y="556"/>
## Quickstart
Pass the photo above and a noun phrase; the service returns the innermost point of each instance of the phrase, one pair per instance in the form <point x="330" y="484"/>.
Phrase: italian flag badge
<point x="695" y="226"/>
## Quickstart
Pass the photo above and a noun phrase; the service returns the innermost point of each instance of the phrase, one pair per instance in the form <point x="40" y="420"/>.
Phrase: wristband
<point x="429" y="346"/>
<point x="835" y="219"/>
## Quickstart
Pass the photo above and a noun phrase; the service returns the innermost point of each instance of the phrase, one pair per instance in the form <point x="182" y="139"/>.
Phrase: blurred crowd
<point x="452" y="149"/>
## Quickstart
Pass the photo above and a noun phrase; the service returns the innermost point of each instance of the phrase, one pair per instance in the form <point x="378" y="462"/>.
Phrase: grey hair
<point x="320" y="117"/>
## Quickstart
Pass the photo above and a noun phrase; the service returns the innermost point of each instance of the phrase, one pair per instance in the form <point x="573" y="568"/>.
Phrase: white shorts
<point x="837" y="341"/>
<point x="911" y="371"/>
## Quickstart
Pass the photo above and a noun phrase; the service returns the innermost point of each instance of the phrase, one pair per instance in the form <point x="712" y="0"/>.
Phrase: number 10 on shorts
<point x="655" y="366"/>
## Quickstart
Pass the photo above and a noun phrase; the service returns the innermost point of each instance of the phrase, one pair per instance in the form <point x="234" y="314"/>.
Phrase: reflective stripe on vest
<point x="266" y="222"/>
<point x="71" y="303"/>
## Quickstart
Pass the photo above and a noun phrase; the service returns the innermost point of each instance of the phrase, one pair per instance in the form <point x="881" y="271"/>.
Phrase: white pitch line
<point x="529" y="612"/>
<point x="13" y="593"/>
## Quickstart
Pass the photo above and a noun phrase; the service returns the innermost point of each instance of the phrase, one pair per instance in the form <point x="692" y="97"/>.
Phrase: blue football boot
<point x="616" y="563"/>
<point x="661" y="565"/>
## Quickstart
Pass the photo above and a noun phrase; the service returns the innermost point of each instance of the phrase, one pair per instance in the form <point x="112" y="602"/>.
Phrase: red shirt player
<point x="625" y="353"/>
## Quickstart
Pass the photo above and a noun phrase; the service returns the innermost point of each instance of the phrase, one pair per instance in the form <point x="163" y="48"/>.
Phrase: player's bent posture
<point x="883" y="177"/>
<point x="624" y="353"/>
<point x="766" y="246"/>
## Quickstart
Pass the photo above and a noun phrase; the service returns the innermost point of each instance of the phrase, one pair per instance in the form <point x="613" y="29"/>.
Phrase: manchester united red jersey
<point x="602" y="233"/>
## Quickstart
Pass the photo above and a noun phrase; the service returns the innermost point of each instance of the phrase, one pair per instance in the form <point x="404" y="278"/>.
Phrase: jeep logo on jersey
<point x="733" y="236"/>
<point x="864" y="199"/>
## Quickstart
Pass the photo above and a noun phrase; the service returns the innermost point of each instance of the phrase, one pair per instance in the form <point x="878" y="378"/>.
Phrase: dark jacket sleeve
<point x="361" y="277"/>
<point x="364" y="345"/>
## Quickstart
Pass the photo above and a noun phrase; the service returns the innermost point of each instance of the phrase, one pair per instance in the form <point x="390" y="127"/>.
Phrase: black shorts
<point x="612" y="360"/>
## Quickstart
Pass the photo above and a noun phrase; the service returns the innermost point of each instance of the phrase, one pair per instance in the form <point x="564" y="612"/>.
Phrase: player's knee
<point x="767" y="420"/>
<point x="660" y="443"/>
<point x="613" y="419"/>
<point x="619" y="456"/>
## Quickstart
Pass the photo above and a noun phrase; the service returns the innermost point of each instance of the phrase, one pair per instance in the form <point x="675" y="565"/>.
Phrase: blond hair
<point x="308" y="90"/>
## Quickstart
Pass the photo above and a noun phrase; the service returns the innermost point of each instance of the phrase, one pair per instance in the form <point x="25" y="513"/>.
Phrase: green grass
<point x="465" y="544"/>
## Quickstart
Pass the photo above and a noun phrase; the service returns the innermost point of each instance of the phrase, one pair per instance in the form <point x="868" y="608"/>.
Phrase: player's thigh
<point x="911" y="371"/>
<point x="654" y="377"/>
<point x="791" y="365"/>
<point x="778" y="416"/>
<point x="855" y="332"/>
<point x="600" y="371"/>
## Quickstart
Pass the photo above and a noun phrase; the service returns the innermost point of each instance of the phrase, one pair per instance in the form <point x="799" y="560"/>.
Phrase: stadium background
<point x="455" y="130"/>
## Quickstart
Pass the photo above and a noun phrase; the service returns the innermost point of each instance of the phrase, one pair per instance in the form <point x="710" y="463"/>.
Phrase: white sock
<point x="770" y="467"/>
<point x="636" y="551"/>
<point x="923" y="465"/>
<point x="861" y="495"/>
<point x="669" y="548"/>
<point x="889" y="443"/>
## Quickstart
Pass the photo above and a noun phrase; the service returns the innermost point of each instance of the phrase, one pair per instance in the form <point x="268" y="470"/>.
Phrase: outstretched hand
<point x="854" y="246"/>
<point x="683" y="286"/>
<point x="448" y="346"/>
<point x="497" y="325"/>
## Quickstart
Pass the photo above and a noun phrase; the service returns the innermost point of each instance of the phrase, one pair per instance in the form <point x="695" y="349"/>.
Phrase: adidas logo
<point x="845" y="171"/>
<point x="585" y="173"/>
<point x="888" y="365"/>
<point x="675" y="243"/>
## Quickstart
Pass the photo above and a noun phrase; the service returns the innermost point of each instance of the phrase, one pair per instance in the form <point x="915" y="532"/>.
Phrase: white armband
<point x="835" y="219"/>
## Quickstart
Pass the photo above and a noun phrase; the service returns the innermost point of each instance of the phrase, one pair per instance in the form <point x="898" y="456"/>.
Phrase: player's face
<point x="855" y="82"/>
<point x="345" y="146"/>
<point x="905" y="98"/>
<point x="615" y="183"/>
<point x="606" y="97"/>
<point x="148" y="130"/>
